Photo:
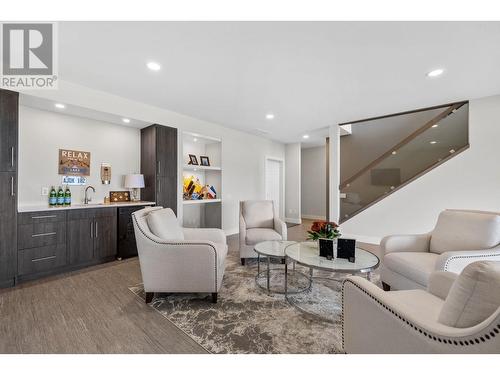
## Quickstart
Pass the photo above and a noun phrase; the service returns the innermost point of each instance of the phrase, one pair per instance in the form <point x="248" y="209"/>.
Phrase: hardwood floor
<point x="92" y="311"/>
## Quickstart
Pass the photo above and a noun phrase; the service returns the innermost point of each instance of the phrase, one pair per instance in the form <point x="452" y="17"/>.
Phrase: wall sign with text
<point x="74" y="180"/>
<point x="74" y="163"/>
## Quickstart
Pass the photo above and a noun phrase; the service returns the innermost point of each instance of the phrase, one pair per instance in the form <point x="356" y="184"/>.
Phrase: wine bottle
<point x="52" y="197"/>
<point x="60" y="197"/>
<point x="67" y="197"/>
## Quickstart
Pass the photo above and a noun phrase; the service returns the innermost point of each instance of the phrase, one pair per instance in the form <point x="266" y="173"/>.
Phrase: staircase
<point x="436" y="135"/>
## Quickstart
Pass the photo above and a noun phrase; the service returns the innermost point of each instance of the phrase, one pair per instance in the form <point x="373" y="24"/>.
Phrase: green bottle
<point x="52" y="197"/>
<point x="60" y="197"/>
<point x="67" y="197"/>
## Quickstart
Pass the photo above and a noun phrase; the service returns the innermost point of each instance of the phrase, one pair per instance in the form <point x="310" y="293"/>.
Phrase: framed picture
<point x="193" y="160"/>
<point x="205" y="161"/>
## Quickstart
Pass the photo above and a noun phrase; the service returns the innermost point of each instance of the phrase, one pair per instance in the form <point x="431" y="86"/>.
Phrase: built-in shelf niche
<point x="206" y="213"/>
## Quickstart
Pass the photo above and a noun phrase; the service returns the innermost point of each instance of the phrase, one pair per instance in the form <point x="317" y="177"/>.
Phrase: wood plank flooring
<point x="92" y="311"/>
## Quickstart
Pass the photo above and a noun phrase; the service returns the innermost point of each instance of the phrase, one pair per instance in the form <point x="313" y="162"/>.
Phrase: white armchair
<point x="457" y="314"/>
<point x="459" y="238"/>
<point x="175" y="259"/>
<point x="259" y="222"/>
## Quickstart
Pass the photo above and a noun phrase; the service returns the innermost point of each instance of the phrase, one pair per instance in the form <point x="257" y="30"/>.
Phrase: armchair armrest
<point x="205" y="234"/>
<point x="280" y="227"/>
<point x="440" y="283"/>
<point x="405" y="242"/>
<point x="456" y="261"/>
<point x="243" y="231"/>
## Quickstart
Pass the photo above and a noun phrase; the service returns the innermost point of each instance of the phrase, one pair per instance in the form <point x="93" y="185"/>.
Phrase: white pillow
<point x="473" y="297"/>
<point x="164" y="224"/>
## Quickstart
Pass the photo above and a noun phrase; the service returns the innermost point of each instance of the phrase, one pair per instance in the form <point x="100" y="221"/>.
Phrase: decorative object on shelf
<point x="106" y="200"/>
<point x="106" y="173"/>
<point x="119" y="196"/>
<point x="204" y="161"/>
<point x="134" y="182"/>
<point x="74" y="163"/>
<point x="192" y="160"/>
<point x="326" y="233"/>
<point x="194" y="190"/>
<point x="74" y="180"/>
<point x="346" y="249"/>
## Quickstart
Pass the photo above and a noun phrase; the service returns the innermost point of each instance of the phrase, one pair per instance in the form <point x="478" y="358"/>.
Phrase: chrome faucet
<point x="87" y="199"/>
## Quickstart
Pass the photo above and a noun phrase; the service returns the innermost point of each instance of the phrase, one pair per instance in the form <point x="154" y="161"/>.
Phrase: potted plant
<point x="326" y="234"/>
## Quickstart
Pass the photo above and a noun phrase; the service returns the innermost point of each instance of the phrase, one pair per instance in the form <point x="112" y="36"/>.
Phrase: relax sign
<point x="74" y="163"/>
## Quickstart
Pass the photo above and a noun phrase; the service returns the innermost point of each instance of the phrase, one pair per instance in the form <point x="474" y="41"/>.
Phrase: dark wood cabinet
<point x="159" y="165"/>
<point x="8" y="228"/>
<point x="127" y="246"/>
<point x="9" y="109"/>
<point x="105" y="237"/>
<point x="80" y="240"/>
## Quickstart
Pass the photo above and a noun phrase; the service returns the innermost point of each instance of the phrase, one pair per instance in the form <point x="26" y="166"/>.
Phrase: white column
<point x="334" y="163"/>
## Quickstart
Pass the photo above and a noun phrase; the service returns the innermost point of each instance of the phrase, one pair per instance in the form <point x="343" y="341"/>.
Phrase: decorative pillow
<point x="473" y="297"/>
<point x="164" y="224"/>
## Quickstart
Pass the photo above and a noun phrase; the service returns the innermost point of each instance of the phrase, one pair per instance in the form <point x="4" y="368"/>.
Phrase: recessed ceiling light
<point x="195" y="139"/>
<point x="126" y="120"/>
<point x="60" y="106"/>
<point x="305" y="136"/>
<point x="433" y="142"/>
<point x="394" y="152"/>
<point x="435" y="126"/>
<point x="269" y="116"/>
<point x="435" y="73"/>
<point x="153" y="66"/>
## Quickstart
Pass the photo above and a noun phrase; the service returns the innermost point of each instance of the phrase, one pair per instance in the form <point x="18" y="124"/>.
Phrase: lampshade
<point x="134" y="181"/>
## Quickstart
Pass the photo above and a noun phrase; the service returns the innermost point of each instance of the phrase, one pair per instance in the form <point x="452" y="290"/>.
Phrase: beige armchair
<point x="459" y="238"/>
<point x="457" y="314"/>
<point x="175" y="259"/>
<point x="258" y="222"/>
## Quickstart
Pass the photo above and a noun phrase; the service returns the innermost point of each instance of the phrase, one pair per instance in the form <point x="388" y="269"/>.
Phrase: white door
<point x="274" y="183"/>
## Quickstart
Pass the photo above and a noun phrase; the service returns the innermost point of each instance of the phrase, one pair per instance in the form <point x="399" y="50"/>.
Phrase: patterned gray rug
<point x="248" y="320"/>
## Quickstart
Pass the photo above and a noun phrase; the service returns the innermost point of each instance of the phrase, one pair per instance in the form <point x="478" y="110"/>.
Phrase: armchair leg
<point x="214" y="297"/>
<point x="386" y="287"/>
<point x="242" y="261"/>
<point x="149" y="296"/>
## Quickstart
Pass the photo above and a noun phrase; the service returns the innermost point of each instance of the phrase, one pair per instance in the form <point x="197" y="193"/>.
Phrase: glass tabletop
<point x="272" y="248"/>
<point x="307" y="253"/>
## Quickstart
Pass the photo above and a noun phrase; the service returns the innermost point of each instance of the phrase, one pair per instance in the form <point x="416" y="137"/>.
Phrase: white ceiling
<point x="308" y="74"/>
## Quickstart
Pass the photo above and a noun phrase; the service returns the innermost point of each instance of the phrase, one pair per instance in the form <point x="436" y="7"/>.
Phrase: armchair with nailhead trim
<point x="456" y="314"/>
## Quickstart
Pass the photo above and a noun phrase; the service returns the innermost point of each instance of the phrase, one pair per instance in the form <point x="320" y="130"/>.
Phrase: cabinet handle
<point x="44" y="258"/>
<point x="91" y="230"/>
<point x="96" y="233"/>
<point x="44" y="217"/>
<point x="12" y="157"/>
<point x="159" y="166"/>
<point x="12" y="192"/>
<point x="159" y="186"/>
<point x="44" y="234"/>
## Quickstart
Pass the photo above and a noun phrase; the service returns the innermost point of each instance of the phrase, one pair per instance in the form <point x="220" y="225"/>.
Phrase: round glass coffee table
<point x="307" y="254"/>
<point x="271" y="250"/>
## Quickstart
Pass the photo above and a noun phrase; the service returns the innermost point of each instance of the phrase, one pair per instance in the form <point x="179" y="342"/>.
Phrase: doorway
<point x="275" y="185"/>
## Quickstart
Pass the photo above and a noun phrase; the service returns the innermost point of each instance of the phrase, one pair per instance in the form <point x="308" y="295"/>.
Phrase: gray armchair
<point x="258" y="222"/>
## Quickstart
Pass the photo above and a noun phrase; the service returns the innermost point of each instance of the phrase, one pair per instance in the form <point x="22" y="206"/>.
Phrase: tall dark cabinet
<point x="9" y="108"/>
<point x="159" y="165"/>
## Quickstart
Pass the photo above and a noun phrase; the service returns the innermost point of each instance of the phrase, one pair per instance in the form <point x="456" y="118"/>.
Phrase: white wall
<point x="243" y="154"/>
<point x="292" y="183"/>
<point x="43" y="133"/>
<point x="313" y="182"/>
<point x="471" y="180"/>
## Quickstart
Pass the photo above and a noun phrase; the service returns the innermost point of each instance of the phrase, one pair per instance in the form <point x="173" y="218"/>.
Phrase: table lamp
<point x="134" y="182"/>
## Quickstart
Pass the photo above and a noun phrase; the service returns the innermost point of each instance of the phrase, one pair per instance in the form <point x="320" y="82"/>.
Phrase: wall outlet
<point x="45" y="191"/>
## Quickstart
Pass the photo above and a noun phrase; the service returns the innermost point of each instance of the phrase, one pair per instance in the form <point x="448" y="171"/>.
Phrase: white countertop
<point x="82" y="206"/>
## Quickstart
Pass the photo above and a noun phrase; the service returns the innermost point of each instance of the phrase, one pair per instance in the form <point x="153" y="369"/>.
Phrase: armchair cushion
<point x="473" y="297"/>
<point x="258" y="214"/>
<point x="415" y="266"/>
<point x="460" y="230"/>
<point x="256" y="235"/>
<point x="440" y="283"/>
<point x="164" y="225"/>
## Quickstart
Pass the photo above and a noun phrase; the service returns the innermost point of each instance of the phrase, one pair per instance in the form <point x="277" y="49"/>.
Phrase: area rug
<point x="247" y="319"/>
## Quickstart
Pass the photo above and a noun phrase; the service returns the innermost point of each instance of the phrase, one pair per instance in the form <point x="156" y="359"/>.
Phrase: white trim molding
<point x="313" y="217"/>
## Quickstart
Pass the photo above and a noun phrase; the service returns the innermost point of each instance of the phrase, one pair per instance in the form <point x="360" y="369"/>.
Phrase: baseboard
<point x="361" y="238"/>
<point x="313" y="217"/>
<point x="293" y="220"/>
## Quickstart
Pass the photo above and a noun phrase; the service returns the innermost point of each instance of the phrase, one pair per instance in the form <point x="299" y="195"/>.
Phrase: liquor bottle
<point x="52" y="197"/>
<point x="67" y="197"/>
<point x="60" y="197"/>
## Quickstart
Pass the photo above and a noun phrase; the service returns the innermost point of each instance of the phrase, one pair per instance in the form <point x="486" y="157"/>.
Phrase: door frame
<point x="282" y="178"/>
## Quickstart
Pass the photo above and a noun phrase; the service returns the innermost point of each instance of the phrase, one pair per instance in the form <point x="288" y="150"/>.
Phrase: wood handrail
<point x="406" y="140"/>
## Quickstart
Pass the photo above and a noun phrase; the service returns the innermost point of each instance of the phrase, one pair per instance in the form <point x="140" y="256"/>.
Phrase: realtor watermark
<point x="28" y="56"/>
